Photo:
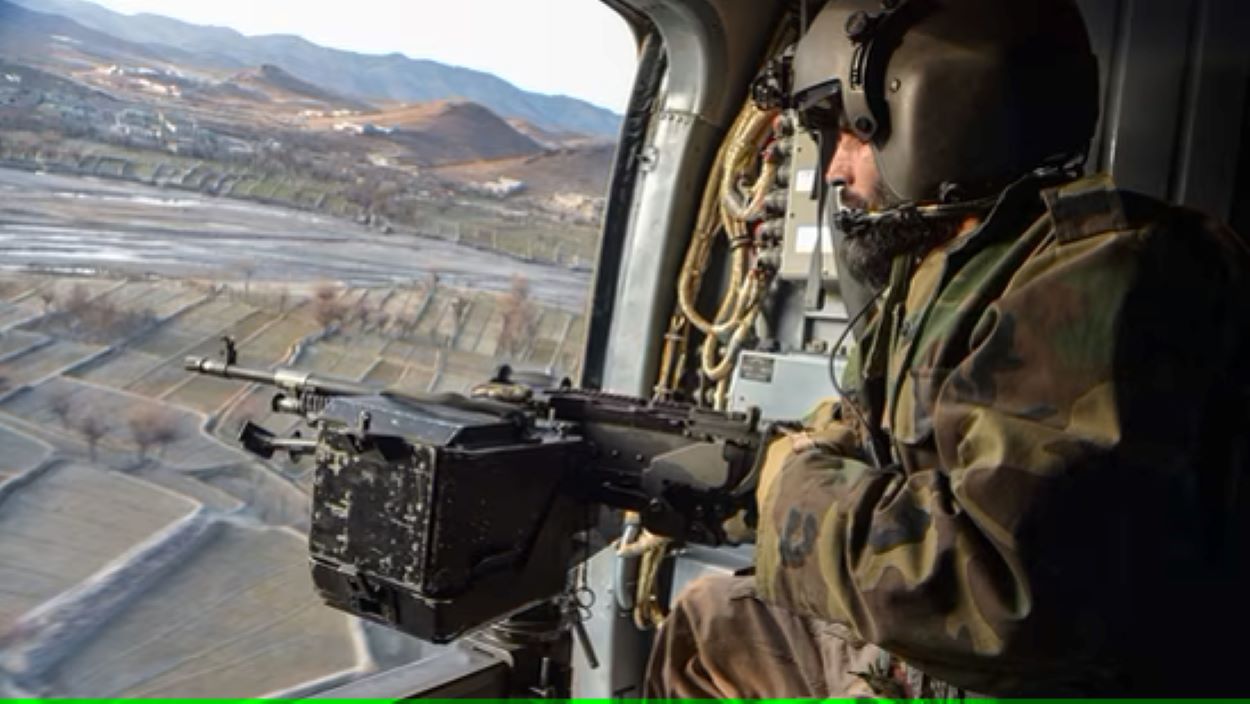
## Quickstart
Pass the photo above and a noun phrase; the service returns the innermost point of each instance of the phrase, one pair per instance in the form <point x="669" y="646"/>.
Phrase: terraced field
<point x="212" y="317"/>
<point x="69" y="523"/>
<point x="119" y="369"/>
<point x="14" y="313"/>
<point x="59" y="289"/>
<point x="273" y="343"/>
<point x="35" y="409"/>
<point x="347" y="358"/>
<point x="234" y="616"/>
<point x="37" y="363"/>
<point x="21" y="453"/>
<point x="238" y="619"/>
<point x="13" y="342"/>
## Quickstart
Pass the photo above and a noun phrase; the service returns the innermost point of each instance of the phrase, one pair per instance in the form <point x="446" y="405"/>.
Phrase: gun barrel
<point x="289" y="379"/>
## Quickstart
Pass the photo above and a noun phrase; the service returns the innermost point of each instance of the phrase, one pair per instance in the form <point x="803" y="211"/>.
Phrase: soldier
<point x="1034" y="484"/>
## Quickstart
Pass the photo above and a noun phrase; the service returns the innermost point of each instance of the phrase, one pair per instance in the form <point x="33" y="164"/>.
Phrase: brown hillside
<point x="483" y="133"/>
<point x="549" y="139"/>
<point x="444" y="132"/>
<point x="583" y="169"/>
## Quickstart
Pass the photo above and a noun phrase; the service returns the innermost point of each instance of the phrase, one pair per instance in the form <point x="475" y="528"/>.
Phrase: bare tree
<point x="61" y="404"/>
<point x="141" y="427"/>
<point x="77" y="300"/>
<point x="520" y="318"/>
<point x="92" y="428"/>
<point x="459" y="314"/>
<point x="166" y="433"/>
<point x="363" y="315"/>
<point x="249" y="270"/>
<point x="153" y="426"/>
<point x="327" y="308"/>
<point x="98" y="319"/>
<point x="47" y="296"/>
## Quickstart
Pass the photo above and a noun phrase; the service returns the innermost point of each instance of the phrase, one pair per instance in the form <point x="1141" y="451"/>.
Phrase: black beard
<point x="870" y="244"/>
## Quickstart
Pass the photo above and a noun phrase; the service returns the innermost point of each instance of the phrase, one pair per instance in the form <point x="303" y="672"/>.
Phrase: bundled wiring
<point x="735" y="196"/>
<point x="743" y="180"/>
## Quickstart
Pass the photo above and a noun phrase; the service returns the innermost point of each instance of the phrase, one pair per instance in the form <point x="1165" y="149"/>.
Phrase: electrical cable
<point x="735" y="194"/>
<point x="833" y="373"/>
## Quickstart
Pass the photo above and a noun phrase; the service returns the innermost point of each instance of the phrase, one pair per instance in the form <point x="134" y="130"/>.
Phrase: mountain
<point x="270" y="82"/>
<point x="451" y="131"/>
<point x="25" y="34"/>
<point x="366" y="77"/>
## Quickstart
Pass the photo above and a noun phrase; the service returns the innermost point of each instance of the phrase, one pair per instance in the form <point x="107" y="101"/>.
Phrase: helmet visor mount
<point x="819" y="111"/>
<point x="819" y="108"/>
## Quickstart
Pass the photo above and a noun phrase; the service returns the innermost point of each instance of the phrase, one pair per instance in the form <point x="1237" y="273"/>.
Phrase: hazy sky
<point x="572" y="47"/>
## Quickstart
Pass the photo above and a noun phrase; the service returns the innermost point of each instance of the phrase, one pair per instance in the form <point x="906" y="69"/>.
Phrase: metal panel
<point x="699" y="561"/>
<point x="634" y="130"/>
<point x="713" y="47"/>
<point x="803" y="217"/>
<point x="678" y="164"/>
<point x="1146" y="76"/>
<point x="1102" y="20"/>
<point x="1212" y="138"/>
<point x="1174" y="78"/>
<point x="785" y="387"/>
<point x="619" y="646"/>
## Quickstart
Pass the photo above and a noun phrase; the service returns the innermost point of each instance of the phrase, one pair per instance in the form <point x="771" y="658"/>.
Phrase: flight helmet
<point x="958" y="98"/>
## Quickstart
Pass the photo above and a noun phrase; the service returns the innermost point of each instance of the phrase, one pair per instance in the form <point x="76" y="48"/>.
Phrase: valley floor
<point x="177" y="568"/>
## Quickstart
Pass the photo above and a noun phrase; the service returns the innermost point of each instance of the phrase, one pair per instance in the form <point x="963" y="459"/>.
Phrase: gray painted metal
<point x="698" y="561"/>
<point x="785" y="387"/>
<point x="652" y="257"/>
<point x="620" y="647"/>
<point x="1212" y="138"/>
<point x="1174" y="74"/>
<point x="714" y="48"/>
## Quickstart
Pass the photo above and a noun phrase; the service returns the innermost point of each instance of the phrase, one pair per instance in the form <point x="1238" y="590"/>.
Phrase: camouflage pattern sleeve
<point x="1042" y="518"/>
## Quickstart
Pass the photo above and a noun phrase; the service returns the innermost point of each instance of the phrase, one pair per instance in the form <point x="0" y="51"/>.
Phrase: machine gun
<point x="437" y="514"/>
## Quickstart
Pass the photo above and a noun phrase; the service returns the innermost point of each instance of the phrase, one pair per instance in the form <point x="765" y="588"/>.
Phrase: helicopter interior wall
<point x="713" y="48"/>
<point x="1174" y="76"/>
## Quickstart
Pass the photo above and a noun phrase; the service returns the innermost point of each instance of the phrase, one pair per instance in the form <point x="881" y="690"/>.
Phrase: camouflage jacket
<point x="1061" y="395"/>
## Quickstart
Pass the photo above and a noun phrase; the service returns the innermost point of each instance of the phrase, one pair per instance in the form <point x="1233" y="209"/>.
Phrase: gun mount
<point x="437" y="514"/>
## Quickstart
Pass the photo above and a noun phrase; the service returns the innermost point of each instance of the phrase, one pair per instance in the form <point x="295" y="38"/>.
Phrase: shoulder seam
<point x="1084" y="208"/>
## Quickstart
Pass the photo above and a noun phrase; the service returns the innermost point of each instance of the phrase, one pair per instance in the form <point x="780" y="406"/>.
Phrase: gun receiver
<point x="436" y="514"/>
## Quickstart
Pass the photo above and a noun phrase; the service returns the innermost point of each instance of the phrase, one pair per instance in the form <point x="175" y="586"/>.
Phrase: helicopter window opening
<point x="406" y="196"/>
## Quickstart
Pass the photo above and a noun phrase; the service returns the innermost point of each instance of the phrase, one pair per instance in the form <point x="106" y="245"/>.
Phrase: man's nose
<point x="839" y="170"/>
